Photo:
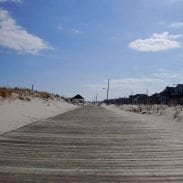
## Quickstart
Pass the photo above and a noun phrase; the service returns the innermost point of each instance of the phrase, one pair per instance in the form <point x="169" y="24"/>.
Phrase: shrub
<point x="21" y="98"/>
<point x="4" y="92"/>
<point x="45" y="95"/>
<point x="27" y="99"/>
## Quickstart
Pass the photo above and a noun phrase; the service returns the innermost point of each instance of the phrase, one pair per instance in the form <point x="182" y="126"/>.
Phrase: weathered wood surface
<point x="90" y="144"/>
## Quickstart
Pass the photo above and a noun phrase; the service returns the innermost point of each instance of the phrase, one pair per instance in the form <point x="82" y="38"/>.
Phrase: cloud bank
<point x="156" y="43"/>
<point x="154" y="82"/>
<point x="17" y="38"/>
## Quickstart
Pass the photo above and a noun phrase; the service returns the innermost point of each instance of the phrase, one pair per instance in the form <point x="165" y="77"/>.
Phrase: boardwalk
<point x="90" y="144"/>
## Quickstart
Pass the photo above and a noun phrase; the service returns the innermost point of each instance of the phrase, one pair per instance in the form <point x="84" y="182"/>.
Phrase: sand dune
<point x="16" y="111"/>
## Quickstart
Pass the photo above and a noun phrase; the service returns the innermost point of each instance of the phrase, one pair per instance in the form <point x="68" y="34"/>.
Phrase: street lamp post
<point x="107" y="91"/>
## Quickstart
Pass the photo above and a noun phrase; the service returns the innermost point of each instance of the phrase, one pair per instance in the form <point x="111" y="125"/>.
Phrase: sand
<point x="17" y="113"/>
<point x="163" y="118"/>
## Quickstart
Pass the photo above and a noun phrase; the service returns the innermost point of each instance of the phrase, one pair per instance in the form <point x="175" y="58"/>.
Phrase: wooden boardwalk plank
<point x="90" y="144"/>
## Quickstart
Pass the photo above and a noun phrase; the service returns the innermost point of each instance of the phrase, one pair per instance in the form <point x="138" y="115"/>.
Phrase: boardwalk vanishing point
<point x="90" y="144"/>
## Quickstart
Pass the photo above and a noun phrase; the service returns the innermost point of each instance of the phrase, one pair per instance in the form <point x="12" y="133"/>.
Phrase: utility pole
<point x="96" y="98"/>
<point x="108" y="92"/>
<point x="32" y="87"/>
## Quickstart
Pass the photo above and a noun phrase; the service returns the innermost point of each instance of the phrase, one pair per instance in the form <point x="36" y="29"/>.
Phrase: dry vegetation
<point x="26" y="94"/>
<point x="4" y="93"/>
<point x="173" y="112"/>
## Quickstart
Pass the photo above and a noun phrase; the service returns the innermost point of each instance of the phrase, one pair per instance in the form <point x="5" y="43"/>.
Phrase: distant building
<point x="78" y="99"/>
<point x="154" y="99"/>
<point x="121" y="101"/>
<point x="166" y="95"/>
<point x="138" y="98"/>
<point x="179" y="90"/>
<point x="169" y="96"/>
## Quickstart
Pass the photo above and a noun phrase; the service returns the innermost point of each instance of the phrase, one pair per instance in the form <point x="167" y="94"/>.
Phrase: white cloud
<point x="17" y="38"/>
<point x="156" y="43"/>
<point x="176" y="25"/>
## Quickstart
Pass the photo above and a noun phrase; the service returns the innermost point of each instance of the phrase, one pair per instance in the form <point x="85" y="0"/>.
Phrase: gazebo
<point x="78" y="99"/>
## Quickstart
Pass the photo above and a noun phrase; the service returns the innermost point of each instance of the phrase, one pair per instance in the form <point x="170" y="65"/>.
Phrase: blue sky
<point x="74" y="46"/>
